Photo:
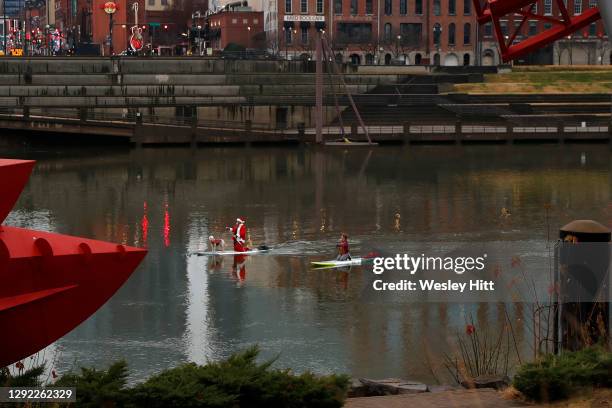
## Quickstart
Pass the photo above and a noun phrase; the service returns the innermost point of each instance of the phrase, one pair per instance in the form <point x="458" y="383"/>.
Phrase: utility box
<point x="583" y="284"/>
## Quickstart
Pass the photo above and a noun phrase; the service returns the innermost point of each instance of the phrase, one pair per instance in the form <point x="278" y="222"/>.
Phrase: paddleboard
<point x="337" y="264"/>
<point x="254" y="251"/>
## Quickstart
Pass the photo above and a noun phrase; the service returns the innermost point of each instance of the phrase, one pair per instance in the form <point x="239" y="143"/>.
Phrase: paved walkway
<point x="484" y="398"/>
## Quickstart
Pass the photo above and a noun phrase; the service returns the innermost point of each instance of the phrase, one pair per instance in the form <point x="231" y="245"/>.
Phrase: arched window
<point x="436" y="60"/>
<point x="451" y="34"/>
<point x="466" y="59"/>
<point x="388" y="7"/>
<point x="437" y="32"/>
<point x="418" y="59"/>
<point x="437" y="8"/>
<point x="452" y="7"/>
<point x="467" y="33"/>
<point x="388" y="32"/>
<point x="369" y="59"/>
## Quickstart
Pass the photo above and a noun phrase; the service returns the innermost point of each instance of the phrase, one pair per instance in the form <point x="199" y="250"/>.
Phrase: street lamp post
<point x="110" y="7"/>
<point x="397" y="46"/>
<point x="4" y="24"/>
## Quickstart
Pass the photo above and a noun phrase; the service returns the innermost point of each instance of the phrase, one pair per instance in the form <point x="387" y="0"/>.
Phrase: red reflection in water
<point x="239" y="267"/>
<point x="145" y="226"/>
<point x="166" y="226"/>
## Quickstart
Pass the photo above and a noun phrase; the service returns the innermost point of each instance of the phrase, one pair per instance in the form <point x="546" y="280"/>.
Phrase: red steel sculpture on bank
<point x="512" y="44"/>
<point x="50" y="283"/>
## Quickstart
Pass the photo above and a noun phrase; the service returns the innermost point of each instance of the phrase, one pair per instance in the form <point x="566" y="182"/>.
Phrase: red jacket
<point x="343" y="247"/>
<point x="239" y="234"/>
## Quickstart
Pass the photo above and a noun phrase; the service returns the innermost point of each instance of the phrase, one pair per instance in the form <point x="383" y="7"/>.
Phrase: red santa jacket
<point x="239" y="233"/>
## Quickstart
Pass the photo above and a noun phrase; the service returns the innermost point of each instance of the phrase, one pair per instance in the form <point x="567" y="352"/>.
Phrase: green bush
<point x="558" y="377"/>
<point x="238" y="382"/>
<point x="97" y="388"/>
<point x="29" y="377"/>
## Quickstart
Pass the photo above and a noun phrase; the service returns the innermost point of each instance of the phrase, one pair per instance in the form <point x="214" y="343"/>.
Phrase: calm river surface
<point x="178" y="308"/>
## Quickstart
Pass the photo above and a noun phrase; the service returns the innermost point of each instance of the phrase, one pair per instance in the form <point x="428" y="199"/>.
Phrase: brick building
<point x="439" y="32"/>
<point x="236" y="25"/>
<point x="375" y="31"/>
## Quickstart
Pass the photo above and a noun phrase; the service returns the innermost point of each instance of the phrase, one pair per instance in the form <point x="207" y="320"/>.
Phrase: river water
<point x="178" y="308"/>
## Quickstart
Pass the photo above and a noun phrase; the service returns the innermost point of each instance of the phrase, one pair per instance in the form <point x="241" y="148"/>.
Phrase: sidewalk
<point x="483" y="398"/>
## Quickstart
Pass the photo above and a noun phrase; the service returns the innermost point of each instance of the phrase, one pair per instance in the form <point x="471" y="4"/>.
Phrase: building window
<point x="234" y="21"/>
<point x="577" y="6"/>
<point x="403" y="7"/>
<point x="593" y="30"/>
<point x="288" y="36"/>
<point x="504" y="28"/>
<point x="338" y="6"/>
<point x="164" y="2"/>
<point x="369" y="7"/>
<point x="518" y="28"/>
<point x="437" y="9"/>
<point x="304" y="6"/>
<point x="418" y="7"/>
<point x="437" y="31"/>
<point x="388" y="7"/>
<point x="467" y="33"/>
<point x="151" y="2"/>
<point x="319" y="6"/>
<point x="388" y="32"/>
<point x="288" y="6"/>
<point x="488" y="30"/>
<point x="451" y="34"/>
<point x="592" y="3"/>
<point x="245" y="21"/>
<point x="533" y="28"/>
<point x="452" y="7"/>
<point x="548" y="7"/>
<point x="255" y="21"/>
<point x="304" y="35"/>
<point x="354" y="7"/>
<point x="412" y="34"/>
<point x="467" y="7"/>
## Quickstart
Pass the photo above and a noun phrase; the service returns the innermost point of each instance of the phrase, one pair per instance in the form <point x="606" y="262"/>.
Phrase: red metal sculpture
<point x="509" y="45"/>
<point x="50" y="283"/>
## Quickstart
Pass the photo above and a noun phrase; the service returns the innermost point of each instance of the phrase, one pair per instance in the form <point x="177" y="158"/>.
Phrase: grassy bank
<point x="545" y="79"/>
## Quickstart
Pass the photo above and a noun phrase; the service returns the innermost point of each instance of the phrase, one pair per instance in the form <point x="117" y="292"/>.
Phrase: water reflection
<point x="179" y="308"/>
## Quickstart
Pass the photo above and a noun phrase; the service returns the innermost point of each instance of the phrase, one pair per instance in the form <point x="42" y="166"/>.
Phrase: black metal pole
<point x="4" y="24"/>
<point x="110" y="37"/>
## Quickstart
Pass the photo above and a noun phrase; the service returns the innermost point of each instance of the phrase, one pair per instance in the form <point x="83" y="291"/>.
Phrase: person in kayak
<point x="239" y="235"/>
<point x="343" y="248"/>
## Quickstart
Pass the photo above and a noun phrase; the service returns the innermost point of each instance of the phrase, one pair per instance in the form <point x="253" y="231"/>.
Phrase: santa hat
<point x="240" y="220"/>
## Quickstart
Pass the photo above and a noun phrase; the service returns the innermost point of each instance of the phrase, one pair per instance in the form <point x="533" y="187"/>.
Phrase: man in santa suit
<point x="239" y="235"/>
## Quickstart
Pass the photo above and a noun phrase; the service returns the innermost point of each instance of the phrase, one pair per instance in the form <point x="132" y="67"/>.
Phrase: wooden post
<point x="407" y="132"/>
<point x="194" y="127"/>
<point x="458" y="130"/>
<point x="319" y="90"/>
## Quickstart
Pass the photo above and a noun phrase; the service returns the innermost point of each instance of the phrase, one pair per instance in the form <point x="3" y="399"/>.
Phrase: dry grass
<point x="542" y="80"/>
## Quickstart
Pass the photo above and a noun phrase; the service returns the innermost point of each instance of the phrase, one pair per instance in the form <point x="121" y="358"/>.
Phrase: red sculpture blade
<point x="50" y="282"/>
<point x="14" y="175"/>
